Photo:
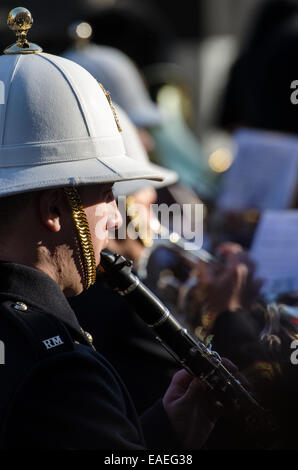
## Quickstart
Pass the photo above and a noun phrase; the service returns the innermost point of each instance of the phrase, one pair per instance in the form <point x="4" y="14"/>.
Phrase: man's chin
<point x="71" y="292"/>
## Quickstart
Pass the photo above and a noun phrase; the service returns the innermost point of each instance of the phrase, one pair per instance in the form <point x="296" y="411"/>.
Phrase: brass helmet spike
<point x="20" y="21"/>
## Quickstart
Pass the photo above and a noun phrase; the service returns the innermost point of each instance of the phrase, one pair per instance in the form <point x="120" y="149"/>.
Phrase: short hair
<point x="12" y="206"/>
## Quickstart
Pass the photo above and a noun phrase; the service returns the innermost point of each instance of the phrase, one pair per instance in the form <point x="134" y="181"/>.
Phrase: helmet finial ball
<point x="20" y="21"/>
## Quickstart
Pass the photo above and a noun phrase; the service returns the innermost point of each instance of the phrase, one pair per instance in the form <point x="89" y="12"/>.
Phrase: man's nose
<point x="115" y="219"/>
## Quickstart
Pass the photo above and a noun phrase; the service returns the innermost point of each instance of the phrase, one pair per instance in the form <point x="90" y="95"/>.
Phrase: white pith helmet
<point x="135" y="149"/>
<point x="120" y="76"/>
<point x="57" y="127"/>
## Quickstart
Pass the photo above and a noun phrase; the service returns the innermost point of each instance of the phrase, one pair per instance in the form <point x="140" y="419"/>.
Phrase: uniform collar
<point x="37" y="290"/>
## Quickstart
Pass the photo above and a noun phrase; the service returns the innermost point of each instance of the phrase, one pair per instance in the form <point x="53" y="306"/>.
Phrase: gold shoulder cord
<point x="81" y="224"/>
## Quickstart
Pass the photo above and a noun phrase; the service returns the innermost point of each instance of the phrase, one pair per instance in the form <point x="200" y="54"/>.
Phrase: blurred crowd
<point x="130" y="50"/>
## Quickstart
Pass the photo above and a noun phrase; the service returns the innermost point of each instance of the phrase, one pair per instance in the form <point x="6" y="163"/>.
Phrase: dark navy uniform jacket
<point x="126" y="341"/>
<point x="56" y="390"/>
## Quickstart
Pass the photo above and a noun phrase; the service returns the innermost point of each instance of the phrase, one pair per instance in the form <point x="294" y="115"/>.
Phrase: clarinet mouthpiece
<point x="107" y="259"/>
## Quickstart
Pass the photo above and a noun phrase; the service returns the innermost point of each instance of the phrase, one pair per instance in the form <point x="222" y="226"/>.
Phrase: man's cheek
<point x="100" y="229"/>
<point x="101" y="218"/>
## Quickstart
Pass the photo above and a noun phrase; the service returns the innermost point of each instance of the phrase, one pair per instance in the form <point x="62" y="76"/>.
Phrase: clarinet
<point x="193" y="355"/>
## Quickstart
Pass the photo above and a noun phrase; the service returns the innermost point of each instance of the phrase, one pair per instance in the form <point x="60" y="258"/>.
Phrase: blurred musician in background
<point x="229" y="313"/>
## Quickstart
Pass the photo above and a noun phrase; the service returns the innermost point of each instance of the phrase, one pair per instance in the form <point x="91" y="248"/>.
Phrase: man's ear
<point x="52" y="206"/>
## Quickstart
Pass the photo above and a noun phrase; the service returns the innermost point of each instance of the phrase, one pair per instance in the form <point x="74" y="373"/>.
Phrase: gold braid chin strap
<point x="83" y="231"/>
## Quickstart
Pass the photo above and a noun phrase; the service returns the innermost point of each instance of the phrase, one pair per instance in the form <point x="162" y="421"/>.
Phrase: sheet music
<point x="263" y="174"/>
<point x="275" y="250"/>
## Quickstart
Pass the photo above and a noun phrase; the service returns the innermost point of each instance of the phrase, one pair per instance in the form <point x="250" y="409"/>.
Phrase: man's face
<point x="102" y="214"/>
